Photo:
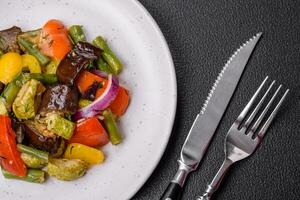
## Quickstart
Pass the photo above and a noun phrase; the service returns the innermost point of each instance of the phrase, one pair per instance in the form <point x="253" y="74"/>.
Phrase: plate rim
<point x="153" y="22"/>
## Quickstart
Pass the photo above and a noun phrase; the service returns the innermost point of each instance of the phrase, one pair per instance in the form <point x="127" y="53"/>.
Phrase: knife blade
<point x="209" y="117"/>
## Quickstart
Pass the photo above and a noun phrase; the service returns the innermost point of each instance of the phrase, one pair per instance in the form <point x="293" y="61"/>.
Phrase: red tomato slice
<point x="121" y="102"/>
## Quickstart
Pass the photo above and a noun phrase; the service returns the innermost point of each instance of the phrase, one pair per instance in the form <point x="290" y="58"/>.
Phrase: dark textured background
<point x="202" y="34"/>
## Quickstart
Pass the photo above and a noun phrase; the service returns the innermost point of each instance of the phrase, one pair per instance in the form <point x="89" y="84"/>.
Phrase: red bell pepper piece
<point x="90" y="132"/>
<point x="10" y="157"/>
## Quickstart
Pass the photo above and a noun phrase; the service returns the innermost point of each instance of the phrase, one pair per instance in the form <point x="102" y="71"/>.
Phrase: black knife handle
<point x="173" y="192"/>
<point x="175" y="187"/>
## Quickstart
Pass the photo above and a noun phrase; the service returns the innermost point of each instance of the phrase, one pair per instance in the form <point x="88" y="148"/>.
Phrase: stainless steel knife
<point x="209" y="117"/>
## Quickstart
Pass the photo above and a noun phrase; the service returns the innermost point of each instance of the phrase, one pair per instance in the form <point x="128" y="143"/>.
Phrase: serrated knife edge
<point x="223" y="71"/>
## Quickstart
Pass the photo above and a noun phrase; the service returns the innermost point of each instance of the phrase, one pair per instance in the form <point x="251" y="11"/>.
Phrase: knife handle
<point x="175" y="187"/>
<point x="173" y="192"/>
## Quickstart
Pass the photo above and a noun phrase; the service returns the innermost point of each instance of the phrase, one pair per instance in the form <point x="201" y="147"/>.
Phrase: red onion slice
<point x="100" y="73"/>
<point x="101" y="102"/>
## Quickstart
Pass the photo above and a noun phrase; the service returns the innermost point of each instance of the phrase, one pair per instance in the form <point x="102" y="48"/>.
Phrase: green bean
<point x="113" y="62"/>
<point x="33" y="175"/>
<point x="103" y="66"/>
<point x="34" y="152"/>
<point x="45" y="78"/>
<point x="84" y="103"/>
<point x="77" y="34"/>
<point x="111" y="126"/>
<point x="11" y="90"/>
<point x="31" y="49"/>
<point x="101" y="43"/>
<point x="108" y="55"/>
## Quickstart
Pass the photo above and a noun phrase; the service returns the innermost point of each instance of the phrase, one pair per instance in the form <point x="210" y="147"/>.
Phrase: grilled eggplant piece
<point x="19" y="129"/>
<point x="40" y="137"/>
<point x="8" y="40"/>
<point x="60" y="98"/>
<point x="87" y="50"/>
<point x="90" y="93"/>
<point x="81" y="56"/>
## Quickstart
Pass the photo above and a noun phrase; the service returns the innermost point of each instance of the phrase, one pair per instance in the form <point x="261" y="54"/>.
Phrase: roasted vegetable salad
<point x="60" y="102"/>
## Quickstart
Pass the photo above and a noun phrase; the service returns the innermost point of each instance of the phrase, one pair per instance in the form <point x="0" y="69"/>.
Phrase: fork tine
<point x="262" y="115"/>
<point x="250" y="103"/>
<point x="265" y="127"/>
<point x="255" y="111"/>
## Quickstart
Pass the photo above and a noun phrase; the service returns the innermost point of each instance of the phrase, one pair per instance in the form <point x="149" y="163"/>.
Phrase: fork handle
<point x="214" y="185"/>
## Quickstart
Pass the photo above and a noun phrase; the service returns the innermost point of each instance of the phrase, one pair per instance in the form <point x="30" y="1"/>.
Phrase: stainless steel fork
<point x="243" y="138"/>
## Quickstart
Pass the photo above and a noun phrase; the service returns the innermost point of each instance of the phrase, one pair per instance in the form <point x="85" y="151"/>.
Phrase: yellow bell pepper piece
<point x="10" y="66"/>
<point x="51" y="67"/>
<point x="85" y="153"/>
<point x="31" y="63"/>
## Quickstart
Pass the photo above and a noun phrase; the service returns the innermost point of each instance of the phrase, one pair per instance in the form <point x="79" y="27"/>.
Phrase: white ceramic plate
<point x="148" y="74"/>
